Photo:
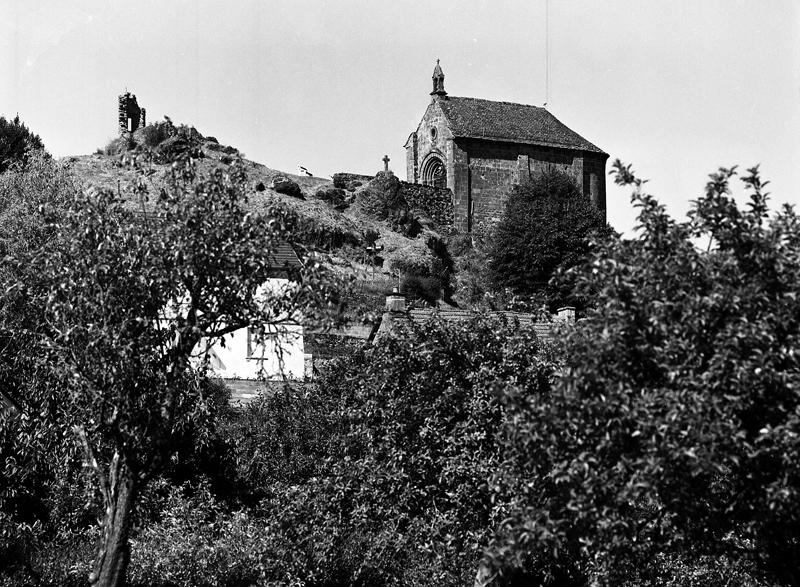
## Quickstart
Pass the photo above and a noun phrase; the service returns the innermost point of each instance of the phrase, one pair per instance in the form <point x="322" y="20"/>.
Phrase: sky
<point x="675" y="88"/>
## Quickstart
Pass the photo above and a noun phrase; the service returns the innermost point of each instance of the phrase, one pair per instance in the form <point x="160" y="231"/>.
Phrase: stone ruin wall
<point x="350" y="181"/>
<point x="435" y="203"/>
<point x="424" y="200"/>
<point x="130" y="115"/>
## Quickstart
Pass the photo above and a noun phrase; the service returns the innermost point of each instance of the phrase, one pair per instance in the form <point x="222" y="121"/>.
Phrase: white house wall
<point x="278" y="354"/>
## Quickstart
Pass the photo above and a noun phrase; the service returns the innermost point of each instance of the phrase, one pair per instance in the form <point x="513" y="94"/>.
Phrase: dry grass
<point x="344" y="230"/>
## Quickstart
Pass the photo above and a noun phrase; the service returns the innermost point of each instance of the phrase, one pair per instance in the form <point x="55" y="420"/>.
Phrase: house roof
<point x="543" y="329"/>
<point x="506" y="121"/>
<point x="285" y="256"/>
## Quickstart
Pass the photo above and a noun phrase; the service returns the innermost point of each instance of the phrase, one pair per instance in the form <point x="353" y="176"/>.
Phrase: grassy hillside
<point x="344" y="228"/>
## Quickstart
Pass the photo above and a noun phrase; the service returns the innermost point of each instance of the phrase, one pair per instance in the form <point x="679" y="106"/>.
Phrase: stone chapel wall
<point x="494" y="169"/>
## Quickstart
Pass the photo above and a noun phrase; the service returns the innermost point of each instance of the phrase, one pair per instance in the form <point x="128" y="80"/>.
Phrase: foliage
<point x="427" y="270"/>
<point x="472" y="280"/>
<point x="114" y="305"/>
<point x="43" y="493"/>
<point x="377" y="476"/>
<point x="153" y="135"/>
<point x="17" y="143"/>
<point x="283" y="541"/>
<point x="674" y="432"/>
<point x="279" y="438"/>
<point x="382" y="198"/>
<point x="333" y="196"/>
<point x="42" y="183"/>
<point x="423" y="420"/>
<point x="546" y="224"/>
<point x="119" y="145"/>
<point x="161" y="142"/>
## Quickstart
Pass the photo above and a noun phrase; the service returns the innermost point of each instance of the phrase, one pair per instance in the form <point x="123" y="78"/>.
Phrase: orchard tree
<point x="674" y="430"/>
<point x="112" y="307"/>
<point x="546" y="223"/>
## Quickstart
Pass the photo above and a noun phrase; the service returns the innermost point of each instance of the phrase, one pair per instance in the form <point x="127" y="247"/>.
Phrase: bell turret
<point x="438" y="82"/>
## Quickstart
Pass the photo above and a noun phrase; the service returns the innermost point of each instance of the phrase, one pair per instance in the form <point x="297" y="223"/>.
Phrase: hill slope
<point x="343" y="231"/>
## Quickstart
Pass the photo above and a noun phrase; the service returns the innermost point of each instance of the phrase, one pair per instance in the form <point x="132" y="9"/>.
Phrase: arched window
<point x="434" y="173"/>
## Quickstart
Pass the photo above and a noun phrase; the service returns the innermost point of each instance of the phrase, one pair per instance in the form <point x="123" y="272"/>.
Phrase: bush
<point x="284" y="185"/>
<point x="119" y="145"/>
<point x="17" y="142"/>
<point x="333" y="196"/>
<point x="153" y="135"/>
<point x="424" y="417"/>
<point x="382" y="199"/>
<point x="673" y="436"/>
<point x="426" y="270"/>
<point x="43" y="183"/>
<point x="279" y="438"/>
<point x="547" y="223"/>
<point x="376" y="476"/>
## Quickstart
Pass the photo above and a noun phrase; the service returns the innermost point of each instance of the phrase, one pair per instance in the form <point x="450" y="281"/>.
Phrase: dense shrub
<point x="279" y="438"/>
<point x="426" y="271"/>
<point x="672" y="440"/>
<point x="382" y="198"/>
<point x="153" y="135"/>
<point x="547" y="223"/>
<point x="333" y="196"/>
<point x="119" y="145"/>
<point x="284" y="185"/>
<point x="424" y="419"/>
<point x="161" y="142"/>
<point x="350" y="181"/>
<point x="43" y="183"/>
<point x="376" y="477"/>
<point x="17" y="143"/>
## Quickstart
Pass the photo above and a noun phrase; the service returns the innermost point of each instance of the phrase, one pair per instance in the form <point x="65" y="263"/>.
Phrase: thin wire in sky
<point x="546" y="52"/>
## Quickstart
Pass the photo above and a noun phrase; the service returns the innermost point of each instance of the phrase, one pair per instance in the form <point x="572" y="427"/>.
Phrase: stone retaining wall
<point x="435" y="203"/>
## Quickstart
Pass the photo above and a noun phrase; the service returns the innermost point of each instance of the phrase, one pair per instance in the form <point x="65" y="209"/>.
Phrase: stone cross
<point x="385" y="162"/>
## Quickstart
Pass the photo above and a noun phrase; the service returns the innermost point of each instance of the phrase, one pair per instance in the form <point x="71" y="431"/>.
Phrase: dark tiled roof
<point x="506" y="121"/>
<point x="543" y="329"/>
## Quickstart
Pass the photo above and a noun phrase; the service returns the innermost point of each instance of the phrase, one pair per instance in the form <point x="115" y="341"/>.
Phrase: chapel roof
<point x="507" y="121"/>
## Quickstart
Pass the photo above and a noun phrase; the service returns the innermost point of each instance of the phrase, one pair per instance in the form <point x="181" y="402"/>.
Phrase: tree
<point x="42" y="490"/>
<point x="112" y="308"/>
<point x="674" y="430"/>
<point x="16" y="142"/>
<point x="546" y="223"/>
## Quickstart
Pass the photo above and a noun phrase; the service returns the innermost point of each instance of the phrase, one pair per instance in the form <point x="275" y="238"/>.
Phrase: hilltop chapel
<point x="480" y="149"/>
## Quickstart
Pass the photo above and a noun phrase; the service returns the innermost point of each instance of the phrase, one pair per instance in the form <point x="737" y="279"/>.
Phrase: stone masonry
<point x="480" y="149"/>
<point x="130" y="115"/>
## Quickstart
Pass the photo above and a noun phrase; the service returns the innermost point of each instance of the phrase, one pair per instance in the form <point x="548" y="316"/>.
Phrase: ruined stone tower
<point x="131" y="116"/>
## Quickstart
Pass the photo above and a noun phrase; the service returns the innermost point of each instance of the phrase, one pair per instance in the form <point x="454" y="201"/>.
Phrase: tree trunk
<point x="112" y="561"/>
